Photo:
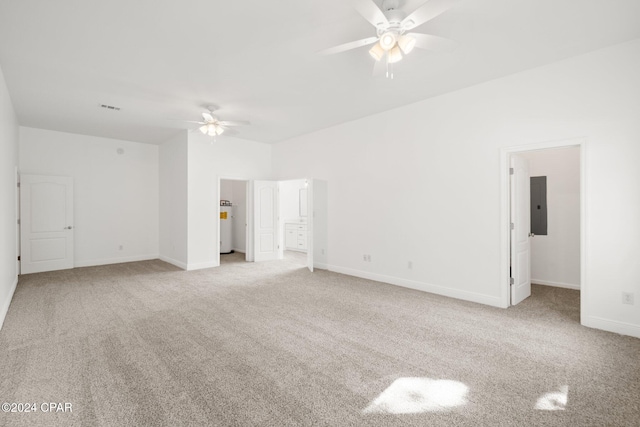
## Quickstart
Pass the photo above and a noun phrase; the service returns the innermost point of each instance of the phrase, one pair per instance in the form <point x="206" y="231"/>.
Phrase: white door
<point x="520" y="230"/>
<point x="310" y="215"/>
<point x="265" y="197"/>
<point x="46" y="223"/>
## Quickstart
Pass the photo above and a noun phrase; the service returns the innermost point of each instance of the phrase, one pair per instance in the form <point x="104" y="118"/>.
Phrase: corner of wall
<point x="4" y="309"/>
<point x="9" y="152"/>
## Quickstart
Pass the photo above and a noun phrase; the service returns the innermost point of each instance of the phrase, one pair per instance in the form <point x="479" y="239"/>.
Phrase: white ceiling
<point x="162" y="61"/>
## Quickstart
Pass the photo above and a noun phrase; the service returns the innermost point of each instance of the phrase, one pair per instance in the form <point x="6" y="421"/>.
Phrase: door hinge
<point x="18" y="257"/>
<point x="510" y="171"/>
<point x="18" y="184"/>
<point x="511" y="281"/>
<point x="18" y="221"/>
<point x="512" y="226"/>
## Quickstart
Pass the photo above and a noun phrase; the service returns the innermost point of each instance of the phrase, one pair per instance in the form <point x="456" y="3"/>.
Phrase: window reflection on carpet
<point x="554" y="401"/>
<point x="412" y="395"/>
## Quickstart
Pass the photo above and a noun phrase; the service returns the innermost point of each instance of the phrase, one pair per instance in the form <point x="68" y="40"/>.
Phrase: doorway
<point x="233" y="221"/>
<point x="557" y="258"/>
<point x="293" y="225"/>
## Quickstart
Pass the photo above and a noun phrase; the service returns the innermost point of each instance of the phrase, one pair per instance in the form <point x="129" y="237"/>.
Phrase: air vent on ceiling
<point x="109" y="107"/>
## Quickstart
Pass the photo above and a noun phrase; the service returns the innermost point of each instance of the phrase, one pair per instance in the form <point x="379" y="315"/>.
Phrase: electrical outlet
<point x="627" y="298"/>
<point x="410" y="265"/>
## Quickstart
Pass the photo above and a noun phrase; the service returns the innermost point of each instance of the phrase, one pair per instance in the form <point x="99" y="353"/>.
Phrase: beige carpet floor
<point x="271" y="344"/>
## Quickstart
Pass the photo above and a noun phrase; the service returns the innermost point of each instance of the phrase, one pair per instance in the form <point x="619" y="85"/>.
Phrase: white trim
<point x="421" y="286"/>
<point x="17" y="221"/>
<point x="107" y="261"/>
<point x="320" y="266"/>
<point x="5" y="307"/>
<point x="611" y="326"/>
<point x="172" y="261"/>
<point x="202" y="265"/>
<point x="555" y="284"/>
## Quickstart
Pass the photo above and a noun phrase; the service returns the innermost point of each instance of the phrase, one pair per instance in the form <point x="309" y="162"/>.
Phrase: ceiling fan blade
<point x="207" y="117"/>
<point x="191" y="121"/>
<point x="371" y="12"/>
<point x="349" y="46"/>
<point x="234" y="123"/>
<point x="427" y="12"/>
<point x="434" y="43"/>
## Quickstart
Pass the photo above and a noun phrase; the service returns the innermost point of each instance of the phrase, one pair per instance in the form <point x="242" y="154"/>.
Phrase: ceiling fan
<point x="393" y="25"/>
<point x="213" y="126"/>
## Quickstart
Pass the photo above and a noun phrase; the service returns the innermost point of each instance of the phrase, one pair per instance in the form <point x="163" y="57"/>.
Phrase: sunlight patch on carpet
<point x="554" y="401"/>
<point x="413" y="395"/>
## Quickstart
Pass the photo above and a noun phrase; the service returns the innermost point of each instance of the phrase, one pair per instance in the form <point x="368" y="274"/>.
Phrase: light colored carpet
<point x="270" y="344"/>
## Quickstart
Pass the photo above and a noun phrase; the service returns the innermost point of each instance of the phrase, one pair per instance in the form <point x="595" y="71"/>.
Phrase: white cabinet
<point x="295" y="237"/>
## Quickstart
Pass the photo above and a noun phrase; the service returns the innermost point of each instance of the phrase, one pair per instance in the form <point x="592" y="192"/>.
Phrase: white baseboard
<point x="201" y="265"/>
<point x="555" y="284"/>
<point x="320" y="266"/>
<point x="172" y="261"/>
<point x="621" y="328"/>
<point x="5" y="306"/>
<point x="242" y="251"/>
<point x="421" y="286"/>
<point x="107" y="261"/>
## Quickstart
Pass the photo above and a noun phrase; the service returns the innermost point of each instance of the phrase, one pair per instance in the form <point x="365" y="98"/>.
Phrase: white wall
<point x="422" y="183"/>
<point x="226" y="190"/>
<point x="173" y="201"/>
<point x="8" y="218"/>
<point x="290" y="200"/>
<point x="115" y="195"/>
<point x="555" y="258"/>
<point x="209" y="161"/>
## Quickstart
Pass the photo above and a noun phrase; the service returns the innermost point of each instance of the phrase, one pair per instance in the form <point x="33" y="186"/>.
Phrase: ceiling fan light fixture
<point x="387" y="40"/>
<point x="211" y="129"/>
<point x="377" y="52"/>
<point x="406" y="43"/>
<point x="395" y="55"/>
<point x="219" y="130"/>
<point x="204" y="129"/>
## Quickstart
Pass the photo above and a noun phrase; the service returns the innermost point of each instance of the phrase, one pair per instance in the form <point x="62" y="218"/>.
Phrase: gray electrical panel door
<point x="539" y="205"/>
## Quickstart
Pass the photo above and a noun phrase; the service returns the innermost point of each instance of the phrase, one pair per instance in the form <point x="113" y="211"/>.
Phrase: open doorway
<point x="553" y="258"/>
<point x="293" y="226"/>
<point x="233" y="221"/>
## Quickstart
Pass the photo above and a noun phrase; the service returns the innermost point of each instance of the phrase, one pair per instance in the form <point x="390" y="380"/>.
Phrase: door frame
<point x="249" y="217"/>
<point x="505" y="203"/>
<point x="18" y="231"/>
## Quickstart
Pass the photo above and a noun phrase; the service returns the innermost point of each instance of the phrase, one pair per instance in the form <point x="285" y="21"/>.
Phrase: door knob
<point x="531" y="235"/>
